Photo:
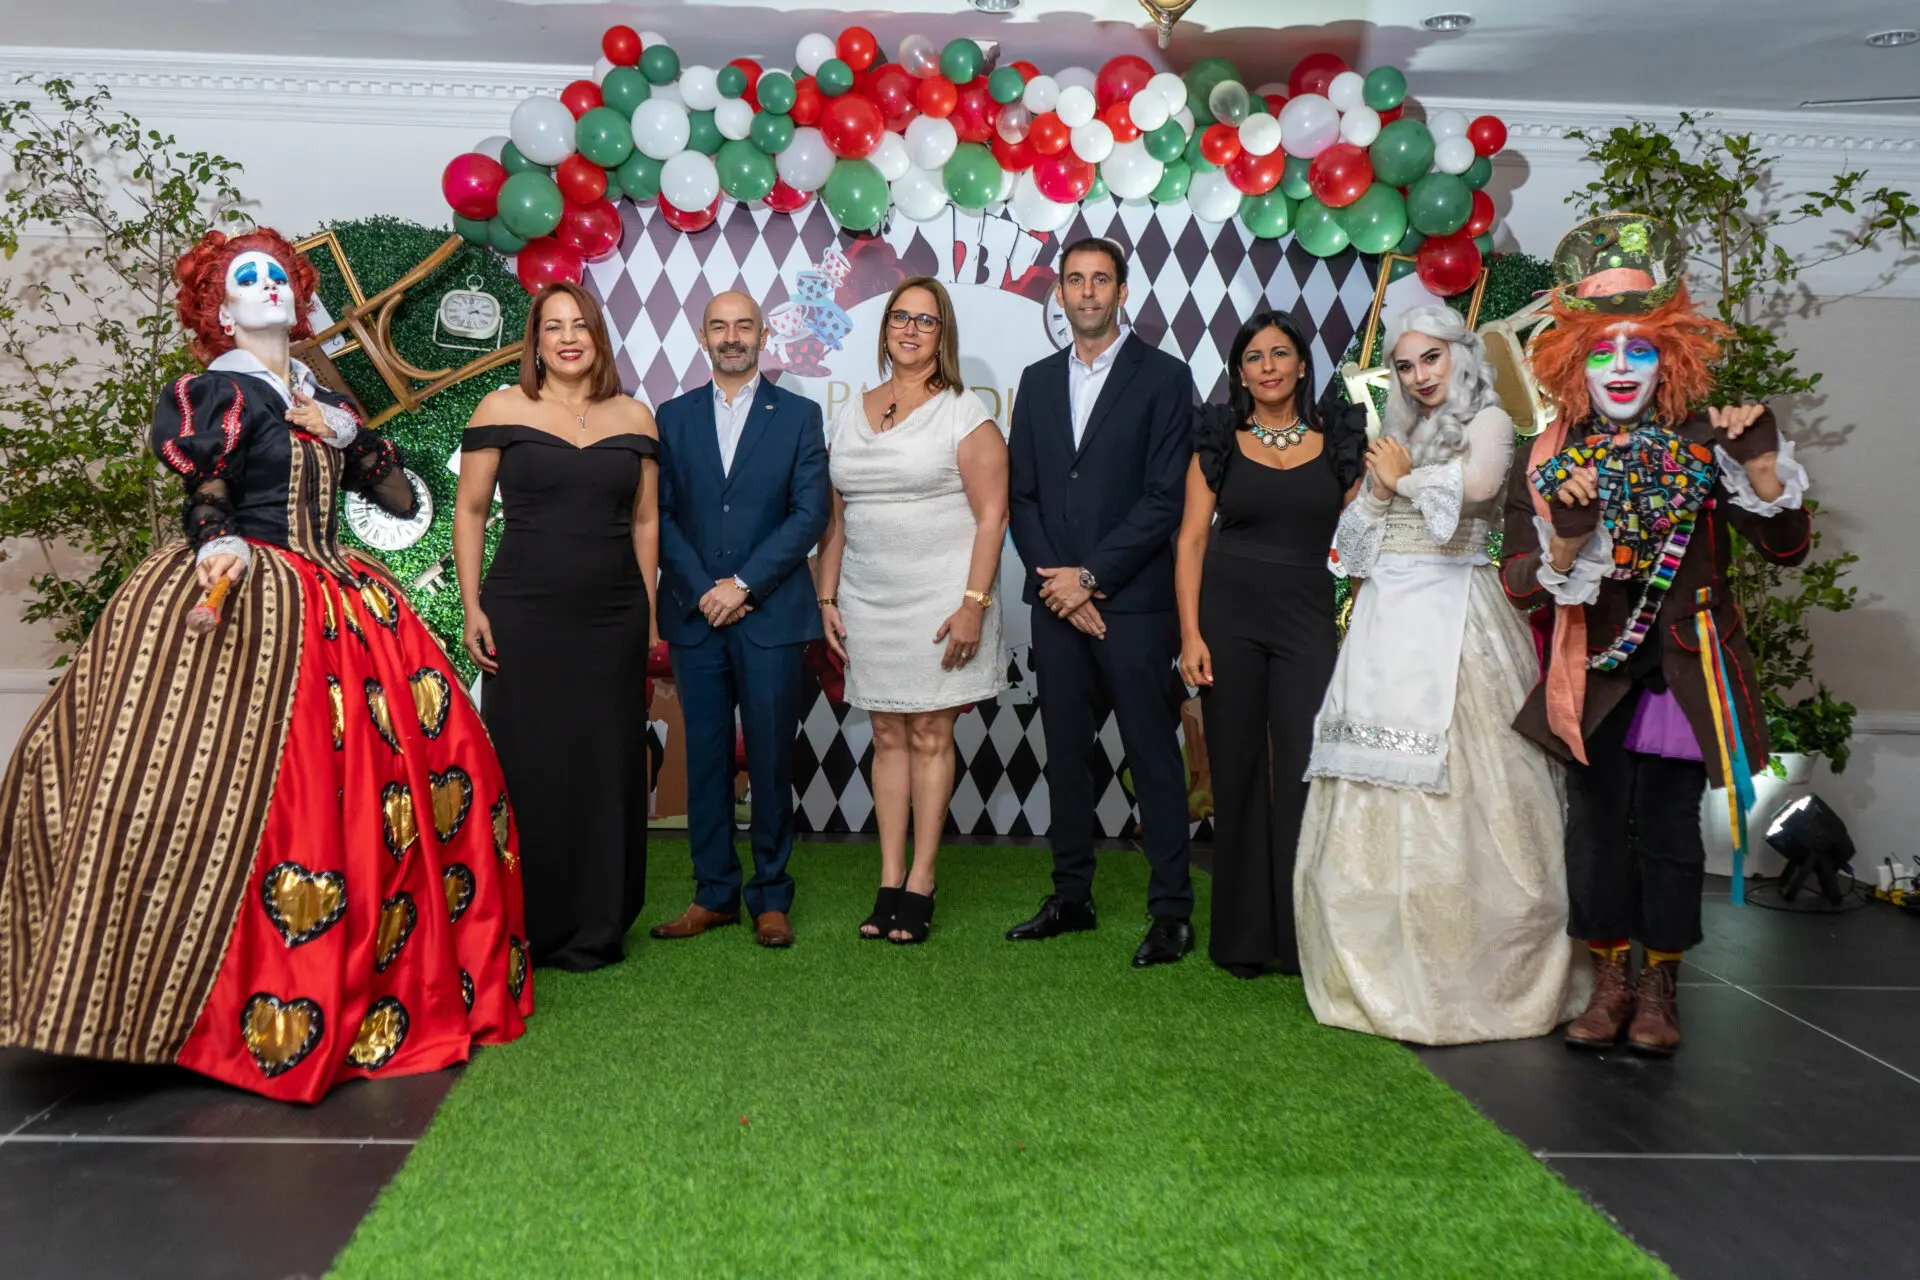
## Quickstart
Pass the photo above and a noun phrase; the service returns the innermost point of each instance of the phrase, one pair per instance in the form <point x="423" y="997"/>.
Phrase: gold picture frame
<point x="1387" y="260"/>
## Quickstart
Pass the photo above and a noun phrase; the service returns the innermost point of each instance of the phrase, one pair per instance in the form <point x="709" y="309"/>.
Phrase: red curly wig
<point x="201" y="275"/>
<point x="1689" y="343"/>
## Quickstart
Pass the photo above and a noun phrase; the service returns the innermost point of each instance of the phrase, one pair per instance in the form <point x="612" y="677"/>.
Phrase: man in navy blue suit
<point x="1099" y="447"/>
<point x="743" y="501"/>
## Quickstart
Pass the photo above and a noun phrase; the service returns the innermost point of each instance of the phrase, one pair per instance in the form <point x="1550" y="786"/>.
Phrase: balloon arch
<point x="1328" y="157"/>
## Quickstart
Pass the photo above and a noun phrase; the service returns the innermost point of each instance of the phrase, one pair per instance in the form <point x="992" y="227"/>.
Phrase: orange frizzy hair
<point x="1689" y="343"/>
<point x="201" y="275"/>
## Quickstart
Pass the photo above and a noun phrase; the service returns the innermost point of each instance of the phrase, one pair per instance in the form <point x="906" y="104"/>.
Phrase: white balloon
<point x="806" y="162"/>
<point x="542" y="128"/>
<point x="1453" y="155"/>
<point x="1170" y="87"/>
<point x="648" y="39"/>
<point x="1015" y="123"/>
<point x="1447" y="124"/>
<point x="668" y="93"/>
<point x="1212" y="196"/>
<point x="891" y="157"/>
<point x="1130" y="172"/>
<point x="1148" y="110"/>
<point x="930" y="142"/>
<point x="700" y="89"/>
<point x="813" y="50"/>
<point x="690" y="181"/>
<point x="1034" y="211"/>
<point x="1360" y="126"/>
<point x="660" y="129"/>
<point x="1076" y="77"/>
<point x="919" y="195"/>
<point x="1041" y="93"/>
<point x="1007" y="177"/>
<point x="1260" y="135"/>
<point x="492" y="146"/>
<point x="1093" y="142"/>
<point x="1077" y="106"/>
<point x="601" y="66"/>
<point x="1348" y="90"/>
<point x="734" y="118"/>
<point x="1185" y="116"/>
<point x="1308" y="125"/>
<point x="919" y="55"/>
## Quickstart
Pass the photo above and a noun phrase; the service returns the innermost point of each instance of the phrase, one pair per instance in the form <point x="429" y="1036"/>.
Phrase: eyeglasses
<point x="923" y="322"/>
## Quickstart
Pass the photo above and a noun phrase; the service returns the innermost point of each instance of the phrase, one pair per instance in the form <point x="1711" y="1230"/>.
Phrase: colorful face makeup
<point x="1424" y="364"/>
<point x="259" y="296"/>
<point x="1622" y="371"/>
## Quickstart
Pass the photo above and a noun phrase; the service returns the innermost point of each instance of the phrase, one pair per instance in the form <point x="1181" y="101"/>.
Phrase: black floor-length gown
<point x="568" y="707"/>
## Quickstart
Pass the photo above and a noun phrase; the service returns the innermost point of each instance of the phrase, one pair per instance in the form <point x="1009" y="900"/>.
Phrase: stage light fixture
<point x="996" y="6"/>
<point x="1813" y="840"/>
<point x="1894" y="39"/>
<point x="1448" y="22"/>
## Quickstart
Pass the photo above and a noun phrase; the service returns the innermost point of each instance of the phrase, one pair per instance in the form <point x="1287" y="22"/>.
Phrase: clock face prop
<point x="384" y="531"/>
<point x="466" y="317"/>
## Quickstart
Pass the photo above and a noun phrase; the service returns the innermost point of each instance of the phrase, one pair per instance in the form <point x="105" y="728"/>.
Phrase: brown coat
<point x="1781" y="538"/>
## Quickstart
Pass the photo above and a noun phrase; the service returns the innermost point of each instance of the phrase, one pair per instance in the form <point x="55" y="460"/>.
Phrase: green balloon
<point x="1167" y="143"/>
<point x="530" y="204"/>
<point x="703" y="135"/>
<point x="503" y="240"/>
<point x="1439" y="204"/>
<point x="834" y="77"/>
<point x="604" y="137"/>
<point x="1268" y="216"/>
<point x="1377" y="220"/>
<point x="1098" y="191"/>
<point x="1410" y="243"/>
<point x="660" y="64"/>
<point x="472" y="230"/>
<point x="746" y="172"/>
<point x="972" y="176"/>
<point x="1484" y="243"/>
<point x="1385" y="89"/>
<point x="1201" y="77"/>
<point x="1402" y="268"/>
<point x="1402" y="153"/>
<point x="776" y="92"/>
<point x="1293" y="179"/>
<point x="1478" y="173"/>
<point x="772" y="132"/>
<point x="1006" y="85"/>
<point x="1318" y="229"/>
<point x="960" y="60"/>
<point x="1195" y="159"/>
<point x="732" y="82"/>
<point x="640" y="176"/>
<point x="1174" y="181"/>
<point x="625" y="89"/>
<point x="513" y="162"/>
<point x="856" y="195"/>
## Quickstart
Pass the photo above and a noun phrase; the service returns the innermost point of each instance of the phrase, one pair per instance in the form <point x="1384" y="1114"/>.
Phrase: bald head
<point x="733" y="332"/>
<point x="732" y="306"/>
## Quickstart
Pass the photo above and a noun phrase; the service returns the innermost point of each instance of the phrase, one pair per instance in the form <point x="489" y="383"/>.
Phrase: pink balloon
<point x="591" y="230"/>
<point x="471" y="183"/>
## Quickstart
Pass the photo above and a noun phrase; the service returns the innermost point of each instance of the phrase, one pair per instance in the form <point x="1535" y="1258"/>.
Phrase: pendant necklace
<point x="1277" y="437"/>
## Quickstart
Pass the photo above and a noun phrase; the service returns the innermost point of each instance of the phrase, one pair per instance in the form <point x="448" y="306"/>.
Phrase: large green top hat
<point x="1619" y="263"/>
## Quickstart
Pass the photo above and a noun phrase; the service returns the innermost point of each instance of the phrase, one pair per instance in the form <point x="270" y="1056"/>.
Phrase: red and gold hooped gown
<point x="280" y="854"/>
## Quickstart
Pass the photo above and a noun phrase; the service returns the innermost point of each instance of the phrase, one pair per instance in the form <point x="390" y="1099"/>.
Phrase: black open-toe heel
<point x="886" y="904"/>
<point x="915" y="919"/>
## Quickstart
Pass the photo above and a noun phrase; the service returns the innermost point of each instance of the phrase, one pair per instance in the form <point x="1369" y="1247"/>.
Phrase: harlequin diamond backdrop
<point x="1191" y="285"/>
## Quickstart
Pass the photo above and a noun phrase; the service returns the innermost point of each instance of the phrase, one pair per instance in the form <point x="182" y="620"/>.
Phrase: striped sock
<point x="1655" y="957"/>
<point x="1611" y="949"/>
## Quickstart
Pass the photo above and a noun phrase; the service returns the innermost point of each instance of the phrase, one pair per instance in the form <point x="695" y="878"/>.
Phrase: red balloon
<point x="1391" y="114"/>
<point x="1313" y="73"/>
<point x="1256" y="175"/>
<point x="853" y="126"/>
<point x="1063" y="178"/>
<point x="752" y="71"/>
<point x="1220" y="144"/>
<point x="1340" y="175"/>
<point x="1480" y="221"/>
<point x="471" y="184"/>
<point x="1118" y="120"/>
<point x="1120" y="79"/>
<point x="1488" y="135"/>
<point x="784" y="199"/>
<point x="622" y="46"/>
<point x="857" y="48"/>
<point x="698" y="220"/>
<point x="808" y="101"/>
<point x="937" y="96"/>
<point x="590" y="230"/>
<point x="1014" y="156"/>
<point x="892" y="89"/>
<point x="1274" y="101"/>
<point x="580" y="180"/>
<point x="1448" y="264"/>
<point x="546" y="261"/>
<point x="1026" y="69"/>
<point x="975" y="113"/>
<point x="581" y="97"/>
<point x="1049" y="134"/>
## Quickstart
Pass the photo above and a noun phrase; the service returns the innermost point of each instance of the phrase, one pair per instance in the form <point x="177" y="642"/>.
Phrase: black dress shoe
<point x="1168" y="938"/>
<point x="1058" y="915"/>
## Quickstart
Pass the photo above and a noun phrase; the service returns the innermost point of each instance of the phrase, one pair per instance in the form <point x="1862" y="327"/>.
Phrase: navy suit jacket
<point x="1113" y="504"/>
<point x="759" y="521"/>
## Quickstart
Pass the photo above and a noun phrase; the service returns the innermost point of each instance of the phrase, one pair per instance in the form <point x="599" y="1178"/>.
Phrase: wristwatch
<point x="980" y="598"/>
<point x="741" y="583"/>
<point x="1087" y="581"/>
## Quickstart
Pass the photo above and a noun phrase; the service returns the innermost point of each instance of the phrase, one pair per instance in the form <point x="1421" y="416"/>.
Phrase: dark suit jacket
<point x="1782" y="539"/>
<point x="1113" y="505"/>
<point x="760" y="521"/>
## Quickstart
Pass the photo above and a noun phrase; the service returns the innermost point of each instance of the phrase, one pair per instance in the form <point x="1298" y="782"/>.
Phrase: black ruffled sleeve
<point x="198" y="426"/>
<point x="1213" y="444"/>
<point x="1346" y="444"/>
<point x="373" y="467"/>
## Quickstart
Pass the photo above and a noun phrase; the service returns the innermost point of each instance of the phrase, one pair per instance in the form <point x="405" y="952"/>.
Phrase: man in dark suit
<point x="743" y="500"/>
<point x="1099" y="447"/>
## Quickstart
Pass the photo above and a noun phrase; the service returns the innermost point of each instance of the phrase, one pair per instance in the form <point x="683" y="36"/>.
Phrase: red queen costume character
<point x="1619" y="518"/>
<point x="275" y="849"/>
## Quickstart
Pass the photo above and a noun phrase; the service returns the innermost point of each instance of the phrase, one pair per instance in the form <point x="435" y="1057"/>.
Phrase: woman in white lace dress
<point x="1430" y="887"/>
<point x="905" y="576"/>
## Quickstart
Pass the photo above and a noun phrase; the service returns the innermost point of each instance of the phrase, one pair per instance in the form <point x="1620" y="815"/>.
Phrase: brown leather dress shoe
<point x="1656" y="1023"/>
<point x="693" y="922"/>
<point x="773" y="929"/>
<point x="1608" y="1011"/>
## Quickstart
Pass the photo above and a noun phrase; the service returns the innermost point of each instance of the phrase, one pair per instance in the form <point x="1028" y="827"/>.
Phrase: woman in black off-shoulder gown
<point x="562" y="626"/>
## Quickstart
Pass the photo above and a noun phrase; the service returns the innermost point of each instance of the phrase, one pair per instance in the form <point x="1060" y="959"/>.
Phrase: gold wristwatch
<point x="980" y="598"/>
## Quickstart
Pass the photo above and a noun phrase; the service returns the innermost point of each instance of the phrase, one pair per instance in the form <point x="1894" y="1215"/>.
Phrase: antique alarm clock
<point x="470" y="315"/>
<point x="381" y="529"/>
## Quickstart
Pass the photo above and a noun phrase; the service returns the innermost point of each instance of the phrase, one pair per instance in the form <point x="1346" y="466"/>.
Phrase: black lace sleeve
<point x="1213" y="444"/>
<point x="373" y="465"/>
<point x="198" y="425"/>
<point x="1347" y="442"/>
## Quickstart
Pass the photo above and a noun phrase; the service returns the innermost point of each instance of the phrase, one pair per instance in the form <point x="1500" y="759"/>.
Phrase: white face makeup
<point x="259" y="295"/>
<point x="1622" y="371"/>
<point x="1423" y="364"/>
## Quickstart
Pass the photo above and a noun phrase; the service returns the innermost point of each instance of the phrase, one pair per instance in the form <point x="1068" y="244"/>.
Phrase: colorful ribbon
<point x="1728" y="739"/>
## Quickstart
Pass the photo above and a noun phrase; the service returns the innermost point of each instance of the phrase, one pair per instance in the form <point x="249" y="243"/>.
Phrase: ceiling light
<point x="1448" y="22"/>
<point x="996" y="6"/>
<point x="1893" y="39"/>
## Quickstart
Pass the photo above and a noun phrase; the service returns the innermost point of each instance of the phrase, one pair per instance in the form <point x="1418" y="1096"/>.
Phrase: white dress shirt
<point x="730" y="419"/>
<point x="1085" y="380"/>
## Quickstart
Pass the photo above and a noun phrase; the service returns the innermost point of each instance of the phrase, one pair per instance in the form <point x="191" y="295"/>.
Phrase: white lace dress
<point x="1430" y="886"/>
<point x="910" y="536"/>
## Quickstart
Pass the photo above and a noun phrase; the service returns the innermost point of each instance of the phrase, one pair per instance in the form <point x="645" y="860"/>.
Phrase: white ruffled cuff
<point x="341" y="423"/>
<point x="225" y="547"/>
<point x="1791" y="474"/>
<point x="1436" y="492"/>
<point x="1581" y="583"/>
<point x="1362" y="529"/>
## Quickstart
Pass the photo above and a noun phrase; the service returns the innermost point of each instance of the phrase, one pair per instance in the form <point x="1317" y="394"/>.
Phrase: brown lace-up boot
<point x="1612" y="1004"/>
<point x="1656" y="1020"/>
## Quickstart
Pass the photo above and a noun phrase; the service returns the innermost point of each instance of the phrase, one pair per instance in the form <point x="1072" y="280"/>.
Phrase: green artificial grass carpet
<point x="970" y="1107"/>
